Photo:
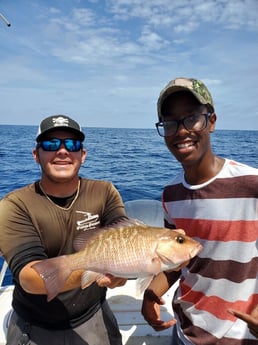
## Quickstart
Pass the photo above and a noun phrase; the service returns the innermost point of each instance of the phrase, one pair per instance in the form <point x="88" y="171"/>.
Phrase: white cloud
<point x="232" y="14"/>
<point x="75" y="53"/>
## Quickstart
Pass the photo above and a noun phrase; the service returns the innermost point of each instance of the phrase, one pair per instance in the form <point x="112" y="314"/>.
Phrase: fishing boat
<point x="123" y="300"/>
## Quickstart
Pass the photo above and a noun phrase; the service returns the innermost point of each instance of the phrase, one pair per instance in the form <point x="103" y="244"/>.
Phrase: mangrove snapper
<point x="128" y="249"/>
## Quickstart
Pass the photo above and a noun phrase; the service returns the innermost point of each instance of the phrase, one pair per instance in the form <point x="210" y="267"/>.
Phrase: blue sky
<point x="105" y="62"/>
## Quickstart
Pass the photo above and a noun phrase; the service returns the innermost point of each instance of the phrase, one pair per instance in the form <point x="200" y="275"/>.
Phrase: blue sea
<point x="135" y="160"/>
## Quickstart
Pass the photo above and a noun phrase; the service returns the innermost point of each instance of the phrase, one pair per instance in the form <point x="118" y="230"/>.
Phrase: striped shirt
<point x="222" y="215"/>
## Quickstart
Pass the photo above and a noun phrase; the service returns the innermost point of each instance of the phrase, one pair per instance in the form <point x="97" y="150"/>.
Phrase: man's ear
<point x="84" y="155"/>
<point x="212" y="121"/>
<point x="35" y="154"/>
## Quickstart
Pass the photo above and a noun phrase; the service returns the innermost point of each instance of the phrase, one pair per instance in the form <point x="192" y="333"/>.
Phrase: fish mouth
<point x="196" y="250"/>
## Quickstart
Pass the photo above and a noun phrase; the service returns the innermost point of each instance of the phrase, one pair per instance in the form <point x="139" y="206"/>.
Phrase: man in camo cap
<point x="214" y="200"/>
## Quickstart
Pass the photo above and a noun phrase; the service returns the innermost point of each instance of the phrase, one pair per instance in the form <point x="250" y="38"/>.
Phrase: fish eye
<point x="180" y="239"/>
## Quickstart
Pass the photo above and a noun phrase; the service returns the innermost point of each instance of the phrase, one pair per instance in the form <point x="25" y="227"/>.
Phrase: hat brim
<point x="78" y="134"/>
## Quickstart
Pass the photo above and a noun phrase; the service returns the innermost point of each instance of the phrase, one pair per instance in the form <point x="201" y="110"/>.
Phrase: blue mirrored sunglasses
<point x="54" y="144"/>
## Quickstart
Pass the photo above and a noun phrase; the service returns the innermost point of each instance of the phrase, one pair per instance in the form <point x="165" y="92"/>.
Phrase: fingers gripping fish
<point x="128" y="249"/>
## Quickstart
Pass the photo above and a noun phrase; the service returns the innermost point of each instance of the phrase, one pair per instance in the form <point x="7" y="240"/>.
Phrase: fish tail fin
<point x="54" y="272"/>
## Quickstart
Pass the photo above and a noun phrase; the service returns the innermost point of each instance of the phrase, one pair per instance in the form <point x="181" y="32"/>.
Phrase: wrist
<point x="151" y="296"/>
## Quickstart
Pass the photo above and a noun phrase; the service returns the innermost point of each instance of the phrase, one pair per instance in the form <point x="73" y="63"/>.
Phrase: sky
<point x="104" y="62"/>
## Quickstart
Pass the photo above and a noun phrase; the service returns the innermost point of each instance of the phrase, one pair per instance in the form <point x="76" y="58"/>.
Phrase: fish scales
<point x="123" y="247"/>
<point x="128" y="250"/>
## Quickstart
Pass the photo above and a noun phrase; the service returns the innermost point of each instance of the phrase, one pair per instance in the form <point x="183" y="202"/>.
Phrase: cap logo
<point x="60" y="121"/>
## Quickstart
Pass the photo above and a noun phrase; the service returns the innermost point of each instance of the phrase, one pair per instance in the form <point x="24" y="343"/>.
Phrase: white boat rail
<point x="6" y="293"/>
<point x="3" y="272"/>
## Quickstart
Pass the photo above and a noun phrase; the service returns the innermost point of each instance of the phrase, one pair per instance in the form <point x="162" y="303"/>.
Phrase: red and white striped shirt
<point x="222" y="215"/>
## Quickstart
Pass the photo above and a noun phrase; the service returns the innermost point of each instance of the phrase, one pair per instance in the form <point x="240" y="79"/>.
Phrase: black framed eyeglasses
<point x="54" y="144"/>
<point x="192" y="123"/>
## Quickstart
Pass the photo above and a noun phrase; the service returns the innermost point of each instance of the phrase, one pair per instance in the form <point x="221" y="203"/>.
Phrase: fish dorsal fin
<point x="87" y="235"/>
<point x="84" y="237"/>
<point x="126" y="222"/>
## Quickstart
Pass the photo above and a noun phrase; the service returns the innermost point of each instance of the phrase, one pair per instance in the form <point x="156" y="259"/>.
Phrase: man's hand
<point x="250" y="319"/>
<point x="110" y="281"/>
<point x="151" y="311"/>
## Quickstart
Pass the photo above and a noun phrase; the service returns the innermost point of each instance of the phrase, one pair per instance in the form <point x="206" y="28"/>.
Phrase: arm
<point x="152" y="301"/>
<point x="32" y="282"/>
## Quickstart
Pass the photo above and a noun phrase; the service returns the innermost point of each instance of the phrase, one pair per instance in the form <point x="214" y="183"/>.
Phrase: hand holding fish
<point x="250" y="319"/>
<point x="110" y="281"/>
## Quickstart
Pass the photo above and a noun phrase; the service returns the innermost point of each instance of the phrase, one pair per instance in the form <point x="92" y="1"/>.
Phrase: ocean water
<point x="135" y="160"/>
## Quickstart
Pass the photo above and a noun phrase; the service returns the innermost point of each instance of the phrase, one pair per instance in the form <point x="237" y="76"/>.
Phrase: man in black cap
<point x="40" y="221"/>
<point x="214" y="200"/>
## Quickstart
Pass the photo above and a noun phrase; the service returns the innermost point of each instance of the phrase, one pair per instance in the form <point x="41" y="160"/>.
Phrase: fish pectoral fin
<point x="142" y="283"/>
<point x="90" y="277"/>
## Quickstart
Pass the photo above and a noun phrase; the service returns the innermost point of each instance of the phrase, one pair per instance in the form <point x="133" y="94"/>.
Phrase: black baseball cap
<point x="56" y="122"/>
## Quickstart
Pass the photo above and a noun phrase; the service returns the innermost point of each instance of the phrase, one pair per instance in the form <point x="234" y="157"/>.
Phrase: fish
<point x="129" y="249"/>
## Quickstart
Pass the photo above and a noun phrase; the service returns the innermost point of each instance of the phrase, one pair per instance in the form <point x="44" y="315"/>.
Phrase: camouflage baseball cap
<point x="196" y="87"/>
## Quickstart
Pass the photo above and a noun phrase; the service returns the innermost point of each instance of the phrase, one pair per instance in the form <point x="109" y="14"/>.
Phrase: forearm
<point x="33" y="283"/>
<point x="159" y="285"/>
